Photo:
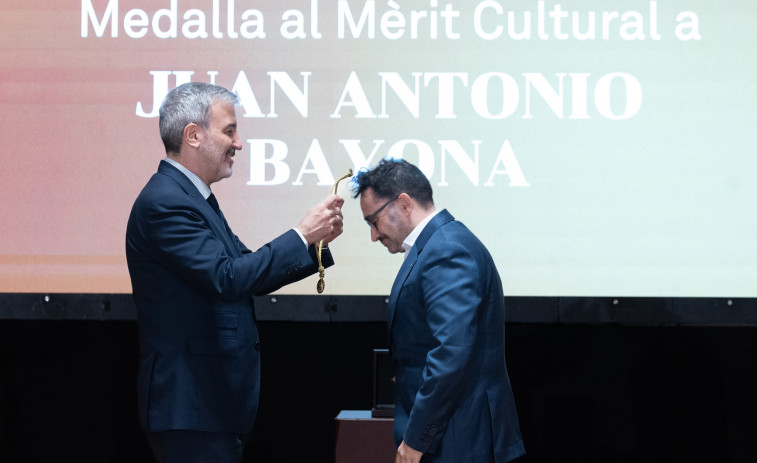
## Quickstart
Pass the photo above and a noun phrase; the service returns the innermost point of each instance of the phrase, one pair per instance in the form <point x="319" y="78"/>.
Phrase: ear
<point x="405" y="202"/>
<point x="193" y="135"/>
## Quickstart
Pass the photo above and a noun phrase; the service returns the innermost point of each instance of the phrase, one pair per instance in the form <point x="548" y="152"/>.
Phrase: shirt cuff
<point x="302" y="237"/>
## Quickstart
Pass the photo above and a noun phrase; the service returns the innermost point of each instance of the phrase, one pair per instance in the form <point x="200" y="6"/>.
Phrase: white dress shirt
<point x="410" y="240"/>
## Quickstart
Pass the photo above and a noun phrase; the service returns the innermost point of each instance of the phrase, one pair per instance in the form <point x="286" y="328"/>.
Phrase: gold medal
<point x="321" y="271"/>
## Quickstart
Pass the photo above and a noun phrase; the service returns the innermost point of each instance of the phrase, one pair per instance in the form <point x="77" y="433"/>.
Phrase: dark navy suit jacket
<point x="192" y="280"/>
<point x="446" y="324"/>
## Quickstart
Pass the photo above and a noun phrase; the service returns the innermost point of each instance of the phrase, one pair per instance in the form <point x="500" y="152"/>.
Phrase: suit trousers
<point x="196" y="447"/>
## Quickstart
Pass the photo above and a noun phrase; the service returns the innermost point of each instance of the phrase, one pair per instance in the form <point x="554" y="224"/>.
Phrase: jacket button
<point x="257" y="345"/>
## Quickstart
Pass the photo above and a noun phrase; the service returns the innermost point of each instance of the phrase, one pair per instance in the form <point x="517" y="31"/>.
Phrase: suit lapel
<point x="440" y="219"/>
<point x="217" y="222"/>
<point x="399" y="281"/>
<point x="231" y="242"/>
<point x="226" y="234"/>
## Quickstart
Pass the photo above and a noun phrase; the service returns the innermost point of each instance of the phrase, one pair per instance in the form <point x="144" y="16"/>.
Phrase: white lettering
<point x="273" y="170"/>
<point x="468" y="165"/>
<point x="247" y="98"/>
<point x="367" y="17"/>
<point x="194" y="28"/>
<point x="110" y="15"/>
<point x="356" y="154"/>
<point x="603" y="96"/>
<point x="298" y="97"/>
<point x="489" y="23"/>
<point x="293" y="25"/>
<point x="160" y="89"/>
<point x="446" y="91"/>
<point x="259" y="163"/>
<point x="480" y="95"/>
<point x="134" y="19"/>
<point x="320" y="168"/>
<point x="507" y="158"/>
<point x="425" y="154"/>
<point x="164" y="23"/>
<point x="357" y="99"/>
<point x="688" y="26"/>
<point x="553" y="98"/>
<point x="252" y="28"/>
<point x="171" y="15"/>
<point x="411" y="99"/>
<point x="230" y="20"/>
<point x="394" y="23"/>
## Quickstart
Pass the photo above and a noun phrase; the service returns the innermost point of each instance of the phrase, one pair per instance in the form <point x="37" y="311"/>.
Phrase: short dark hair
<point x="392" y="177"/>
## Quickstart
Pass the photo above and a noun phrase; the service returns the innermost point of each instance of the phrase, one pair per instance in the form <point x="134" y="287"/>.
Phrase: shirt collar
<point x="409" y="242"/>
<point x="196" y="181"/>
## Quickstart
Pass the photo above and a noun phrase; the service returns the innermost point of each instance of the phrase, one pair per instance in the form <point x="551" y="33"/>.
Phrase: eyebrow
<point x="382" y="207"/>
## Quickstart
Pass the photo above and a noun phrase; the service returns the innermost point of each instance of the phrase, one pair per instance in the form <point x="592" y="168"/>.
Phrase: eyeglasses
<point x="371" y="219"/>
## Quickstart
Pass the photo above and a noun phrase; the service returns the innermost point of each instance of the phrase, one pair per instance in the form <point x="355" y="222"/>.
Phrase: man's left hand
<point x="406" y="454"/>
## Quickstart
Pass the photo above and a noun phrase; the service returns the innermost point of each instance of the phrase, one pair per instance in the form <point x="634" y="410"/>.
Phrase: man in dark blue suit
<point x="446" y="322"/>
<point x="193" y="282"/>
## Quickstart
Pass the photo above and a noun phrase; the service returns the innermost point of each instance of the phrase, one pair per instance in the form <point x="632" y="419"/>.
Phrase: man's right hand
<point x="324" y="221"/>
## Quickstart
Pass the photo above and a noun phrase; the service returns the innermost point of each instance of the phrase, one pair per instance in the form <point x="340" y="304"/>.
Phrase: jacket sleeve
<point x="451" y="286"/>
<point x="182" y="241"/>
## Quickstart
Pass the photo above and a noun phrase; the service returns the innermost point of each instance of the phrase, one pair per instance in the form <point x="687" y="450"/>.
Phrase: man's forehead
<point x="367" y="198"/>
<point x="369" y="195"/>
<point x="223" y="113"/>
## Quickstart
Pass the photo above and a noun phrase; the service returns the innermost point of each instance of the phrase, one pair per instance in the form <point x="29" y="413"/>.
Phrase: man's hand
<point x="324" y="221"/>
<point x="406" y="454"/>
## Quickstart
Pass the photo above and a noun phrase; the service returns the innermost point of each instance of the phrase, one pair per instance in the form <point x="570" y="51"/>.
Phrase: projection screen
<point x="597" y="148"/>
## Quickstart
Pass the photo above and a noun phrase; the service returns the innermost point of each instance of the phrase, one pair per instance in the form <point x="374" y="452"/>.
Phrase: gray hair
<point x="186" y="104"/>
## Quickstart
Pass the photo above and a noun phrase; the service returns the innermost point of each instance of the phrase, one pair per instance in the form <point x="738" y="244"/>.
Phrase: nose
<point x="236" y="143"/>
<point x="374" y="234"/>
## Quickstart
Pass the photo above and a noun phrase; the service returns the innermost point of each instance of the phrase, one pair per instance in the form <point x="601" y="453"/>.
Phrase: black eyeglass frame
<point x="370" y="219"/>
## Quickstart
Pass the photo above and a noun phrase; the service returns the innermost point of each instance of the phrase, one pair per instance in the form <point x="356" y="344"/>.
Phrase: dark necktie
<point x="214" y="204"/>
